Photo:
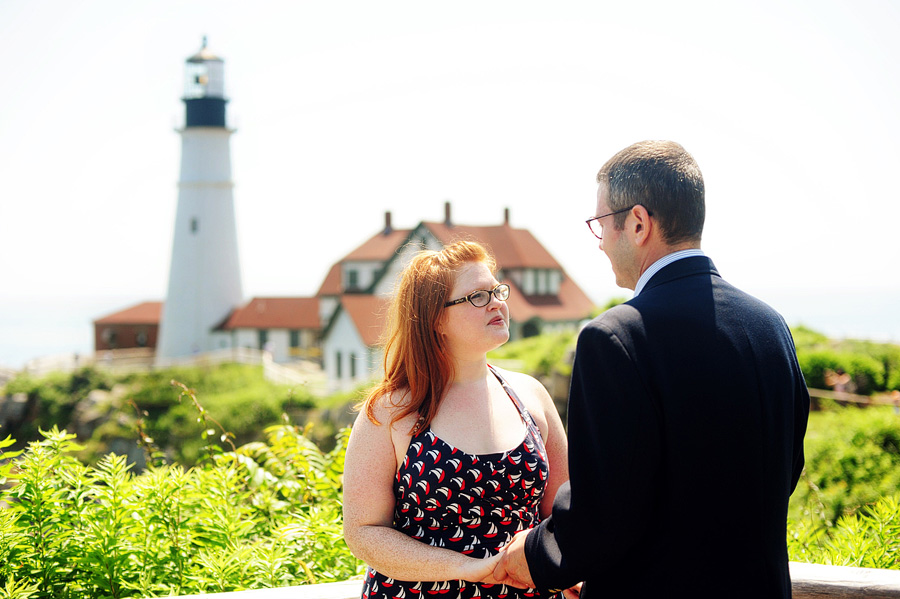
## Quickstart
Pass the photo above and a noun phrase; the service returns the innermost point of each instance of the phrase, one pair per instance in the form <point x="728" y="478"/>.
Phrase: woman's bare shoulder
<point x="521" y="382"/>
<point x="530" y="390"/>
<point x="386" y="409"/>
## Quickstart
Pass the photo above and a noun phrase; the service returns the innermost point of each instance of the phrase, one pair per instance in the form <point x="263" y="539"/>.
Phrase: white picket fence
<point x="144" y="359"/>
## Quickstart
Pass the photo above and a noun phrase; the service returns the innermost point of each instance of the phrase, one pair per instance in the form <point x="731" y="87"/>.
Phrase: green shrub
<point x="541" y="355"/>
<point x="237" y="395"/>
<point x="808" y="339"/>
<point x="852" y="458"/>
<point x="263" y="515"/>
<point x="866" y="372"/>
<point x="58" y="393"/>
<point x="868" y="538"/>
<point x="857" y="357"/>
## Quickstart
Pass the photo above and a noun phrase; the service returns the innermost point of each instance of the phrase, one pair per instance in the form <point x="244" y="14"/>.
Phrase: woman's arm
<point x="369" y="470"/>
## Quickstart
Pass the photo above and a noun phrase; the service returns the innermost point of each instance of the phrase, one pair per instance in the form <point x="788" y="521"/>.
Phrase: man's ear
<point x="643" y="226"/>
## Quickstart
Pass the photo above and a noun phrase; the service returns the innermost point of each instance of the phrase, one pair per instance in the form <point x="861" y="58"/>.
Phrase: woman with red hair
<point x="450" y="457"/>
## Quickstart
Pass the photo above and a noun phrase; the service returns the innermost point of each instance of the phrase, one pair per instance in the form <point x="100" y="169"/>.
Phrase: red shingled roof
<point x="369" y="314"/>
<point x="379" y="247"/>
<point x="332" y="283"/>
<point x="143" y="313"/>
<point x="512" y="248"/>
<point x="276" y="313"/>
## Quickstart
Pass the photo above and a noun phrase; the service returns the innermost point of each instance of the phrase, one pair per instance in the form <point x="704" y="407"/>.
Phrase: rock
<point x="12" y="410"/>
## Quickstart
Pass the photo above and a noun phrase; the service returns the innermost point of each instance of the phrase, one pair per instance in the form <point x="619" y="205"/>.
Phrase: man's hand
<point x="574" y="592"/>
<point x="513" y="567"/>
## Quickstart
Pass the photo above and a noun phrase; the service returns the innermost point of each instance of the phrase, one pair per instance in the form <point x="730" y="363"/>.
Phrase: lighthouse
<point x="204" y="275"/>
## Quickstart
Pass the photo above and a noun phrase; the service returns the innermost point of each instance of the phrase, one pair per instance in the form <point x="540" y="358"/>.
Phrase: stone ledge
<point x="809" y="581"/>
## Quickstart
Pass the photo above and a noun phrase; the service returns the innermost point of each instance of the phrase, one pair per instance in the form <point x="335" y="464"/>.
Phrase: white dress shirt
<point x="662" y="263"/>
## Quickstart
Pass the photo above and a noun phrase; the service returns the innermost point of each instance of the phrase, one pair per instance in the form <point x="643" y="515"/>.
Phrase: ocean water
<point x="39" y="327"/>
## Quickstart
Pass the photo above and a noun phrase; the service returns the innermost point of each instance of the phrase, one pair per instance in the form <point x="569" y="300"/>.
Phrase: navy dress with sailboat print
<point x="473" y="504"/>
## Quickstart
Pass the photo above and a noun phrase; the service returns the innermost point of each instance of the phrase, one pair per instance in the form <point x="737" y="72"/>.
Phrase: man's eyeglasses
<point x="482" y="297"/>
<point x="593" y="223"/>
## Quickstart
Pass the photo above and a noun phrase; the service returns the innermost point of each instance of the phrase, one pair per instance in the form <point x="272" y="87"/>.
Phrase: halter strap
<point x="523" y="411"/>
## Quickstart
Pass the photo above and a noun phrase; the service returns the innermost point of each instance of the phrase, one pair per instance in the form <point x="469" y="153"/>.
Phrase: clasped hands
<point x="510" y="567"/>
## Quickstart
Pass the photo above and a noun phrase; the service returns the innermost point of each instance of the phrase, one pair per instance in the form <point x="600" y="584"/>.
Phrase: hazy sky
<point x="345" y="110"/>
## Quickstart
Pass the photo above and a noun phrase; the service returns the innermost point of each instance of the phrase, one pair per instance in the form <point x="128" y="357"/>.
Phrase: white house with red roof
<point x="342" y="326"/>
<point x="288" y="327"/>
<point x="357" y="289"/>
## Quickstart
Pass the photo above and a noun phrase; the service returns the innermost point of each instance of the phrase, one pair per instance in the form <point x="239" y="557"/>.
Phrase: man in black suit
<point x="687" y="411"/>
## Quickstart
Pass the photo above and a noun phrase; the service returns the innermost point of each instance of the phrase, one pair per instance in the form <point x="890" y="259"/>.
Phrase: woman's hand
<point x="480" y="570"/>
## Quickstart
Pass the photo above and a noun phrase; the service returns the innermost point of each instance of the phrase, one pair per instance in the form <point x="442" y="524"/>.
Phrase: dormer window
<point x="537" y="281"/>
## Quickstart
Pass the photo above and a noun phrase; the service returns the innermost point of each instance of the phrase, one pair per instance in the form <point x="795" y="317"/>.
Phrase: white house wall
<point x="221" y="339"/>
<point x="344" y="339"/>
<point x="246" y="338"/>
<point x="389" y="280"/>
<point x="279" y="343"/>
<point x="327" y="306"/>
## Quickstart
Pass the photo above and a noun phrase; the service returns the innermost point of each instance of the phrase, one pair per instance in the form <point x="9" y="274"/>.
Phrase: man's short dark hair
<point x="662" y="177"/>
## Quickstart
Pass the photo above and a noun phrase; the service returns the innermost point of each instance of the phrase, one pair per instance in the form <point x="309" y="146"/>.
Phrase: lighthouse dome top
<point x="204" y="55"/>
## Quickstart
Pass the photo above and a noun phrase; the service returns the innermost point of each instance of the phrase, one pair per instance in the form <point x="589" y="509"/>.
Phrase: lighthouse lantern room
<point x="204" y="90"/>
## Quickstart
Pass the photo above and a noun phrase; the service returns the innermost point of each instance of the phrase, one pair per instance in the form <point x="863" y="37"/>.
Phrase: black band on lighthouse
<point x="205" y="112"/>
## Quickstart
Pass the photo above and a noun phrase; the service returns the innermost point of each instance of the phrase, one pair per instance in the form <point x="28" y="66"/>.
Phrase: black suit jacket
<point x="687" y="411"/>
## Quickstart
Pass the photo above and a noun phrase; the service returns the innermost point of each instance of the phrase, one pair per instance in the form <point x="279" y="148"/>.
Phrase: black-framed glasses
<point x="593" y="223"/>
<point x="482" y="297"/>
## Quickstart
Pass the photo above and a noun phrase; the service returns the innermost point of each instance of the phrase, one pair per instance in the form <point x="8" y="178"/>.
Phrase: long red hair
<point x="417" y="367"/>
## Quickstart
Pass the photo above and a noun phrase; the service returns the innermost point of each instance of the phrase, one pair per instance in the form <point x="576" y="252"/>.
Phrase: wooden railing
<point x="809" y="581"/>
<point x="875" y="399"/>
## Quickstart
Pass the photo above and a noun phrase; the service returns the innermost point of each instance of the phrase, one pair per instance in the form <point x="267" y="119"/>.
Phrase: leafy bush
<point x="263" y="515"/>
<point x="807" y="339"/>
<point x="852" y="459"/>
<point x="866" y="372"/>
<point x="235" y="394"/>
<point x="58" y="394"/>
<point x="873" y="366"/>
<point x="869" y="538"/>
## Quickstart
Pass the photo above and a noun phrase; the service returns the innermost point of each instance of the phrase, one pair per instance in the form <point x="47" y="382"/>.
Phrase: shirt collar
<point x="662" y="263"/>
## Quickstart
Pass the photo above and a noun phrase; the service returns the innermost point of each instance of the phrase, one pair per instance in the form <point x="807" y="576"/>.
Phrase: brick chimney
<point x="387" y="224"/>
<point x="447" y="220"/>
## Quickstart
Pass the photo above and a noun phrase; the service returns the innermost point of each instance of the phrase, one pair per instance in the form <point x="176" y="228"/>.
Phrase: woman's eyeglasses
<point x="482" y="297"/>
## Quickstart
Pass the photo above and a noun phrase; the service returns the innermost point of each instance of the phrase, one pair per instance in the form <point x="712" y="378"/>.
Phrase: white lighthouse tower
<point x="205" y="276"/>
